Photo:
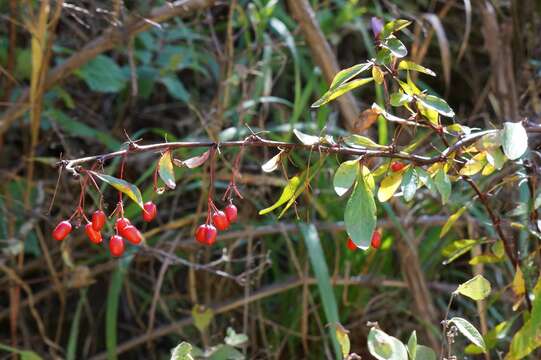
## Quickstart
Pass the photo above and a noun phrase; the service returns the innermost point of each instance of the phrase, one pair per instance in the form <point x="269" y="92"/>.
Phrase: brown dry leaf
<point x="365" y="120"/>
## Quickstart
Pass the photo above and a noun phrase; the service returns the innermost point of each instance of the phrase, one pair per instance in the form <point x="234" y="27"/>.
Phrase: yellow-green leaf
<point x="474" y="165"/>
<point x="393" y="26"/>
<point x="123" y="186"/>
<point x="165" y="170"/>
<point x="343" y="339"/>
<point x="469" y="331"/>
<point x="340" y="90"/>
<point x="451" y="221"/>
<point x="389" y="185"/>
<point x="363" y="141"/>
<point x="202" y="316"/>
<point x="519" y="286"/>
<point x="457" y="248"/>
<point x="347" y="74"/>
<point x="288" y="192"/>
<point x="410" y="65"/>
<point x="477" y="288"/>
<point x="377" y="74"/>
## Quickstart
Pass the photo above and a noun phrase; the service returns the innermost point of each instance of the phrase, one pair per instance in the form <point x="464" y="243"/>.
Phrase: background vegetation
<point x="79" y="77"/>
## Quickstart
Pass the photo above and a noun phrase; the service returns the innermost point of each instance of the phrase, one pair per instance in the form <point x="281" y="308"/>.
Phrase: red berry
<point x="62" y="230"/>
<point x="116" y="245"/>
<point x="231" y="213"/>
<point x="149" y="211"/>
<point x="396" y="166"/>
<point x="376" y="239"/>
<point x="98" y="220"/>
<point x="220" y="220"/>
<point x="93" y="235"/>
<point x="351" y="245"/>
<point x="121" y="223"/>
<point x="131" y="234"/>
<point x="206" y="234"/>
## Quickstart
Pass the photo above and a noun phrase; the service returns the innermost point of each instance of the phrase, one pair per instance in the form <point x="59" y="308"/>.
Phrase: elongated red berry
<point x="231" y="213"/>
<point x="121" y="223"/>
<point x="219" y="219"/>
<point x="62" y="230"/>
<point x="116" y="245"/>
<point x="98" y="220"/>
<point x="396" y="166"/>
<point x="149" y="211"/>
<point x="351" y="245"/>
<point x="376" y="239"/>
<point x="131" y="234"/>
<point x="206" y="234"/>
<point x="93" y="235"/>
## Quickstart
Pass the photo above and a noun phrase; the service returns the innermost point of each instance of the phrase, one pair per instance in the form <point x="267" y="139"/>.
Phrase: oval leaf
<point x="409" y="184"/>
<point x="477" y="288"/>
<point x="196" y="161"/>
<point x="436" y="104"/>
<point x="362" y="141"/>
<point x="165" y="170"/>
<point x="385" y="347"/>
<point x="514" y="140"/>
<point x="345" y="176"/>
<point x="305" y="138"/>
<point x="202" y="316"/>
<point x="360" y="214"/>
<point x="395" y="46"/>
<point x="469" y="331"/>
<point x="272" y="164"/>
<point x="389" y="185"/>
<point x="123" y="186"/>
<point x="443" y="184"/>
<point x="394" y="26"/>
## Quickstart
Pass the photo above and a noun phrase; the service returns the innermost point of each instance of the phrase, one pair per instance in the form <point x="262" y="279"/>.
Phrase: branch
<point x="256" y="141"/>
<point x="112" y="37"/>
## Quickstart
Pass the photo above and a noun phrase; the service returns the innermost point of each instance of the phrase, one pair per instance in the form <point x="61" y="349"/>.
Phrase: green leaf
<point x="443" y="184"/>
<point x="321" y="271"/>
<point x="165" y="170"/>
<point x="345" y="176"/>
<point x="123" y="186"/>
<point x="514" y="140"/>
<point x="395" y="46"/>
<point x="477" y="288"/>
<point x="394" y="26"/>
<point x="496" y="158"/>
<point x="340" y="90"/>
<point x="409" y="184"/>
<point x="175" y="88"/>
<point x="410" y="65"/>
<point x="363" y="141"/>
<point x="71" y="353"/>
<point x="29" y="355"/>
<point x="385" y="347"/>
<point x="412" y="345"/>
<point x="225" y="352"/>
<point x="343" y="339"/>
<point x="182" y="352"/>
<point x="426" y="179"/>
<point x="102" y="74"/>
<point x="399" y="99"/>
<point x="288" y="192"/>
<point x="234" y="339"/>
<point x="360" y="214"/>
<point x="389" y="185"/>
<point x="499" y="332"/>
<point x="347" y="74"/>
<point x="469" y="331"/>
<point x="436" y="104"/>
<point x="425" y="353"/>
<point x="451" y="221"/>
<point x="457" y="248"/>
<point x="202" y="316"/>
<point x="305" y="138"/>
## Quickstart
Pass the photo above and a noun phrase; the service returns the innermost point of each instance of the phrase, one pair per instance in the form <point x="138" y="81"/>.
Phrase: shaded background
<point x="196" y="69"/>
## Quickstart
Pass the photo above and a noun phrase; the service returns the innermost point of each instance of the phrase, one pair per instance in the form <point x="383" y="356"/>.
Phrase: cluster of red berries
<point x="124" y="229"/>
<point x="206" y="233"/>
<point x="375" y="242"/>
